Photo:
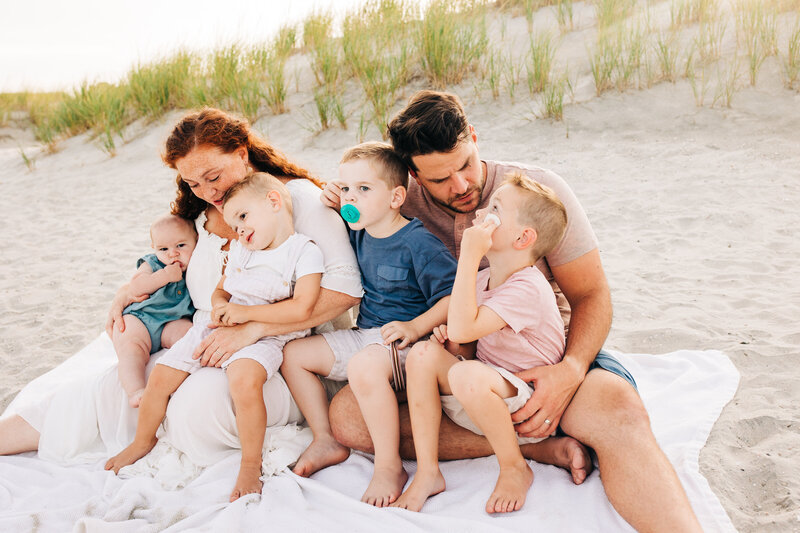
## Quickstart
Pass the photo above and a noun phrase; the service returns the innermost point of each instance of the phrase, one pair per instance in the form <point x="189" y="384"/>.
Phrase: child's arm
<point x="220" y="299"/>
<point x="466" y="321"/>
<point x="298" y="308"/>
<point x="145" y="281"/>
<point x="411" y="331"/>
<point x="466" y="351"/>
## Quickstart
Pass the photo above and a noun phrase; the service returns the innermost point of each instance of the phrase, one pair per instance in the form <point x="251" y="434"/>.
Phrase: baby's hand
<point x="174" y="272"/>
<point x="405" y="332"/>
<point x="331" y="195"/>
<point x="217" y="312"/>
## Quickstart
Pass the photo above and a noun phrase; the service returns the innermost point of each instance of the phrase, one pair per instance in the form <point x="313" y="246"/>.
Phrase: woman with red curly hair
<point x="211" y="150"/>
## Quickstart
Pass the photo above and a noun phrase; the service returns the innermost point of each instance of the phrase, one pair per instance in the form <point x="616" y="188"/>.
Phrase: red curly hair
<point x="212" y="127"/>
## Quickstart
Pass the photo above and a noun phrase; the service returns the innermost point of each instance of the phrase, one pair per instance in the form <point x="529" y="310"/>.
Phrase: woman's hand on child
<point x="405" y="332"/>
<point x="331" y="195"/>
<point x="122" y="299"/>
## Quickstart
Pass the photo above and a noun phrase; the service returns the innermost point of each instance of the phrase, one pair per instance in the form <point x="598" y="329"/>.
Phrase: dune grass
<point x="384" y="45"/>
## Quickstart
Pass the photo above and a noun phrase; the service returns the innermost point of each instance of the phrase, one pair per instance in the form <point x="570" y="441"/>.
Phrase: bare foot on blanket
<point x="135" y="398"/>
<point x="130" y="455"/>
<point x="564" y="452"/>
<point x="511" y="489"/>
<point x="322" y="452"/>
<point x="248" y="482"/>
<point x="385" y="486"/>
<point x="423" y="486"/>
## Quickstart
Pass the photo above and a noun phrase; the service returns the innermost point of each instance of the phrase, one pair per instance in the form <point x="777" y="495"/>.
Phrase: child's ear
<point x="527" y="238"/>
<point x="398" y="197"/>
<point x="275" y="200"/>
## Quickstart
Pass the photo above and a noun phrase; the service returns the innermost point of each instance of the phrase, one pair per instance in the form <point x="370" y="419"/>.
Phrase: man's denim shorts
<point x="606" y="361"/>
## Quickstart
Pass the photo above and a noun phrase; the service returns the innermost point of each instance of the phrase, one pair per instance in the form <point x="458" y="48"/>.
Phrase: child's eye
<point x="242" y="216"/>
<point x="344" y="189"/>
<point x="494" y="208"/>
<point x="162" y="249"/>
<point x="181" y="245"/>
<point x="363" y="188"/>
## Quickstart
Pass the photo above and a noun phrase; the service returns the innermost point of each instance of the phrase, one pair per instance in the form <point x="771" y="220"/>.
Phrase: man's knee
<point x="606" y="409"/>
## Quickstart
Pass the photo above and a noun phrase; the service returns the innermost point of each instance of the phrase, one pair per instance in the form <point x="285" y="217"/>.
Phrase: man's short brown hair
<point x="433" y="121"/>
<point x="540" y="209"/>
<point x="390" y="168"/>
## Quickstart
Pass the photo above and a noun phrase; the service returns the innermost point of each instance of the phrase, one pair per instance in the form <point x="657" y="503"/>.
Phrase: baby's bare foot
<point x="322" y="452"/>
<point x="135" y="398"/>
<point x="423" y="486"/>
<point x="130" y="455"/>
<point x="385" y="486"/>
<point x="511" y="489"/>
<point x="248" y="482"/>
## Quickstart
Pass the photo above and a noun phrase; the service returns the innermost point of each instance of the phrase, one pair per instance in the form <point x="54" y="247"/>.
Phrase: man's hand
<point x="405" y="332"/>
<point x="331" y="196"/>
<point x="553" y="389"/>
<point x="478" y="239"/>
<point x="173" y="272"/>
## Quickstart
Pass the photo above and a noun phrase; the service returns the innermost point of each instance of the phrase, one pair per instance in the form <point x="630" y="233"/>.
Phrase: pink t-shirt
<point x="579" y="238"/>
<point x="534" y="335"/>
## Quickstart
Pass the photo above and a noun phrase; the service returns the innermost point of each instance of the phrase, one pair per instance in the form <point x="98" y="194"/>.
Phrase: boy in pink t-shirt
<point x="510" y="309"/>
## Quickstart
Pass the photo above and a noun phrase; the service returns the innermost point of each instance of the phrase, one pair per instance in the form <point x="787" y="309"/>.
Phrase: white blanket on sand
<point x="684" y="392"/>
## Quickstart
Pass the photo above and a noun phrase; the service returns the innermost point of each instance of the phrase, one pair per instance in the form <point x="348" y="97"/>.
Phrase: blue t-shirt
<point x="403" y="275"/>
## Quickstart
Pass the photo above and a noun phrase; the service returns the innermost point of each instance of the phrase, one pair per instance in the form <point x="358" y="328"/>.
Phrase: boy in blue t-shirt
<point x="407" y="274"/>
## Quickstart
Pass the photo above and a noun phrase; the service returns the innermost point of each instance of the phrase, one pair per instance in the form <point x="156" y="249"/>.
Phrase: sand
<point x="695" y="210"/>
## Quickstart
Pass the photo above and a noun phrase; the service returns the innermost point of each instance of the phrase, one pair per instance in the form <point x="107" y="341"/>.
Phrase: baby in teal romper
<point x="166" y="313"/>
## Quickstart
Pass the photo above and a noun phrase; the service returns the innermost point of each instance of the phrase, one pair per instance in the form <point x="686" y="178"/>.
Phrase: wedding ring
<point x="547" y="421"/>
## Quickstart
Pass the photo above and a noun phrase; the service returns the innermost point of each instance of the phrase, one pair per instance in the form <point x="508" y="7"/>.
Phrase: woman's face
<point x="210" y="172"/>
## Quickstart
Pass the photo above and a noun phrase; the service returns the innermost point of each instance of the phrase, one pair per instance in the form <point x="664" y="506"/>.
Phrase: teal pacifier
<point x="350" y="213"/>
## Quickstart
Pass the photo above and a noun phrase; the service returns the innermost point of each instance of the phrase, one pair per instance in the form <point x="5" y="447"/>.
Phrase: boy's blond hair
<point x="541" y="210"/>
<point x="260" y="183"/>
<point x="390" y="167"/>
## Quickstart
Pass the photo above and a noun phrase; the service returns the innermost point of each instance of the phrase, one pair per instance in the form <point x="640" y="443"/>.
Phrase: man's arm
<point x="584" y="284"/>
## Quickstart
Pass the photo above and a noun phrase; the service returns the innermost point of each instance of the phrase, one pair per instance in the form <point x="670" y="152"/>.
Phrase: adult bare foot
<point x="385" y="486"/>
<point x="511" y="489"/>
<point x="135" y="398"/>
<point x="130" y="455"/>
<point x="573" y="456"/>
<point x="322" y="452"/>
<point x="423" y="486"/>
<point x="248" y="482"/>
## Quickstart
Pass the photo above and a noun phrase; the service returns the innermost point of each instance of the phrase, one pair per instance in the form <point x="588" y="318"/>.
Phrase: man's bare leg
<point x="246" y="378"/>
<point x="455" y="442"/>
<point x="370" y="374"/>
<point x="17" y="436"/>
<point x="607" y="414"/>
<point x="304" y="360"/>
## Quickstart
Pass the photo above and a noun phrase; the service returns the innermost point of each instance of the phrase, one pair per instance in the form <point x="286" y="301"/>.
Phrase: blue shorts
<point x="606" y="361"/>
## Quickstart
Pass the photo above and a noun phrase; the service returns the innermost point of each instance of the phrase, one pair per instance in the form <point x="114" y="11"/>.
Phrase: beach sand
<point x="694" y="209"/>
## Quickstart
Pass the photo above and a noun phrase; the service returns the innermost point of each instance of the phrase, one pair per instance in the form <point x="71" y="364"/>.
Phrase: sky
<point x="48" y="45"/>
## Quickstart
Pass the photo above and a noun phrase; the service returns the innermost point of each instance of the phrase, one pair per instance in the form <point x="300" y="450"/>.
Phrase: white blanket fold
<point x="684" y="393"/>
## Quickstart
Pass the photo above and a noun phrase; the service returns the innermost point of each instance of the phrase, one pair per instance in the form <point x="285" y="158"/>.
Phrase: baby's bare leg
<point x="173" y="331"/>
<point x="164" y="380"/>
<point x="426" y="366"/>
<point x="304" y="360"/>
<point x="246" y="378"/>
<point x="133" y="351"/>
<point x="481" y="391"/>
<point x="370" y="374"/>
